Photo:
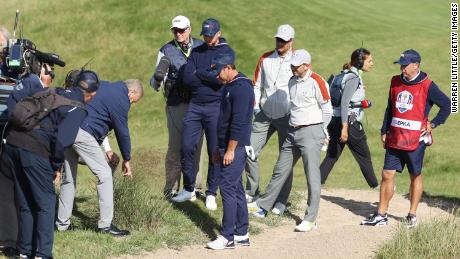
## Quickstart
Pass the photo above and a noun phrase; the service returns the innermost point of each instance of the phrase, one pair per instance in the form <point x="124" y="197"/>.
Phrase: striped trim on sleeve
<point x="259" y="64"/>
<point x="322" y="86"/>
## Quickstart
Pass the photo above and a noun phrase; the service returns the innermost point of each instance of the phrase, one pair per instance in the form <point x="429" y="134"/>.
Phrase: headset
<point x="72" y="75"/>
<point x="87" y="80"/>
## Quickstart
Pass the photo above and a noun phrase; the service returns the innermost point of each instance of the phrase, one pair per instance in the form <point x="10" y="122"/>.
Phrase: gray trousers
<point x="262" y="129"/>
<point x="305" y="142"/>
<point x="91" y="153"/>
<point x="173" y="169"/>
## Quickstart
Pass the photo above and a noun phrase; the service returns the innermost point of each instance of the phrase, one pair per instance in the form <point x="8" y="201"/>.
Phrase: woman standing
<point x="346" y="127"/>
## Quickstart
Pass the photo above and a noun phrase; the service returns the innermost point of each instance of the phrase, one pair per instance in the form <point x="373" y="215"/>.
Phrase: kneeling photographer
<point x="348" y="101"/>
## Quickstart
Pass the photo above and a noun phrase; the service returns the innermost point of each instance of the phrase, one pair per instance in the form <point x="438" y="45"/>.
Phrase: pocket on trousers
<point x="356" y="131"/>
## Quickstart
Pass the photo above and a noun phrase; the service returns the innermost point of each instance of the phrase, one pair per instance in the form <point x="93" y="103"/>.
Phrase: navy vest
<point x="179" y="93"/>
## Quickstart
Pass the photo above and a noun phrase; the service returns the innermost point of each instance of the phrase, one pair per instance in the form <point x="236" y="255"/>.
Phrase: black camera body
<point x="21" y="56"/>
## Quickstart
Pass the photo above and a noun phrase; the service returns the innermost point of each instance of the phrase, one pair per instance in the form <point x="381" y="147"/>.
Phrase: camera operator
<point x="171" y="60"/>
<point x="31" y="76"/>
<point x="8" y="213"/>
<point x="34" y="157"/>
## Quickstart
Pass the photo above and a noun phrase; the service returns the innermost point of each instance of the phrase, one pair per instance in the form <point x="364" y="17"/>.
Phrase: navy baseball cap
<point x="223" y="59"/>
<point x="407" y="57"/>
<point x="210" y="27"/>
<point x="88" y="81"/>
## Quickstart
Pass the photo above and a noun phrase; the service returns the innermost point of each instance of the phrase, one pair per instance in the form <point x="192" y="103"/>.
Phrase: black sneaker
<point x="242" y="240"/>
<point x="411" y="220"/>
<point x="376" y="220"/>
<point x="114" y="231"/>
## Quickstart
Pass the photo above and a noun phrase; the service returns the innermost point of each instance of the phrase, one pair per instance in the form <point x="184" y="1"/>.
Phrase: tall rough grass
<point x="439" y="238"/>
<point x="138" y="204"/>
<point x="138" y="207"/>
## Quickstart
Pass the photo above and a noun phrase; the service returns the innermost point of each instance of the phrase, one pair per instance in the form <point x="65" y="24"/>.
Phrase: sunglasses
<point x="180" y="31"/>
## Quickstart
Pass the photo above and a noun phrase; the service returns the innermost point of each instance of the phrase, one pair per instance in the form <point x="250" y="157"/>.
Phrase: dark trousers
<point x="8" y="206"/>
<point x="36" y="198"/>
<point x="235" y="219"/>
<point x="199" y="117"/>
<point x="357" y="142"/>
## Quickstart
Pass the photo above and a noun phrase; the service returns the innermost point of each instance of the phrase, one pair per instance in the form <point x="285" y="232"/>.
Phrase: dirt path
<point x="339" y="234"/>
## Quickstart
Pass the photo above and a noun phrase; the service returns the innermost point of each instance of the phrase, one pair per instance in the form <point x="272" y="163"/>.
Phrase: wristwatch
<point x="432" y="125"/>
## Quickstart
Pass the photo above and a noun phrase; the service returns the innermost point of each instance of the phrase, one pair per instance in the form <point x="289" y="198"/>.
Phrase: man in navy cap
<point x="109" y="110"/>
<point x="203" y="110"/>
<point x="406" y="131"/>
<point x="234" y="133"/>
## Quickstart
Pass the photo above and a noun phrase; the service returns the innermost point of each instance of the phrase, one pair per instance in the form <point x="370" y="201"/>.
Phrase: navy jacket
<point x="29" y="83"/>
<point x="435" y="96"/>
<point x="236" y="108"/>
<point x="109" y="110"/>
<point x="58" y="130"/>
<point x="198" y="75"/>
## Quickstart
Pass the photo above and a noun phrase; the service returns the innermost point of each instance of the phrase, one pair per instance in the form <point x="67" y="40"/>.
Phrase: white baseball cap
<point x="300" y="57"/>
<point x="285" y="32"/>
<point x="180" y="22"/>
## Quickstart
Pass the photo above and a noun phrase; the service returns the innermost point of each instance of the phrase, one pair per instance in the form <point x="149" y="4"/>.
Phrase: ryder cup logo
<point x="404" y="101"/>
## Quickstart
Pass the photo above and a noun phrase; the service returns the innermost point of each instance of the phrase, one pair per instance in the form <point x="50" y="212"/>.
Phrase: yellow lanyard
<point x="189" y="50"/>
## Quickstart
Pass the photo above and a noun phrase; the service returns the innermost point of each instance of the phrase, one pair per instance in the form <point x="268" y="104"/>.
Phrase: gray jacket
<point x="353" y="91"/>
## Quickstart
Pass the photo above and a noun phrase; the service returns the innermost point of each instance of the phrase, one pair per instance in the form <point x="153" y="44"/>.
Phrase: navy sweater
<point x="59" y="129"/>
<point x="236" y="108"/>
<point x="198" y="74"/>
<point x="109" y="110"/>
<point x="435" y="96"/>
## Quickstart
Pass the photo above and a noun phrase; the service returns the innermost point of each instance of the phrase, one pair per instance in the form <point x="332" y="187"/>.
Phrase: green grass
<point x="124" y="37"/>
<point x="439" y="238"/>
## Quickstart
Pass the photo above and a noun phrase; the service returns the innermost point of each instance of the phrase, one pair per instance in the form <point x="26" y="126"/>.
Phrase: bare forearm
<point x="232" y="144"/>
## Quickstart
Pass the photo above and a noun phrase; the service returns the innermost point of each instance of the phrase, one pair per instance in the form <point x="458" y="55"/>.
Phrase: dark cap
<point x="88" y="81"/>
<point x="223" y="59"/>
<point x="407" y="57"/>
<point x="210" y="27"/>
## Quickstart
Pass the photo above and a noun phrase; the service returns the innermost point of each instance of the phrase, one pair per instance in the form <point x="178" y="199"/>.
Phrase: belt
<point x="303" y="126"/>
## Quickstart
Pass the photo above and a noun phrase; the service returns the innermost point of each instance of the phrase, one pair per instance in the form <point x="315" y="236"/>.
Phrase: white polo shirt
<point x="310" y="98"/>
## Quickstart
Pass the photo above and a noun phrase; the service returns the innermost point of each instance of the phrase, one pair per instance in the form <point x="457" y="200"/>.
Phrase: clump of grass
<point x="138" y="204"/>
<point x="439" y="238"/>
<point x="138" y="207"/>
